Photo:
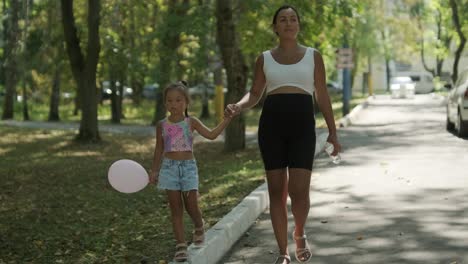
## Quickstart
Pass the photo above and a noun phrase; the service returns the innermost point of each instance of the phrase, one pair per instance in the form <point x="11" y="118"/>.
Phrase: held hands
<point x="232" y="110"/>
<point x="333" y="139"/>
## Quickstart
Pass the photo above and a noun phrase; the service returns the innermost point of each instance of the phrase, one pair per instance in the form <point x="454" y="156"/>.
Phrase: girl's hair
<point x="180" y="86"/>
<point x="285" y="7"/>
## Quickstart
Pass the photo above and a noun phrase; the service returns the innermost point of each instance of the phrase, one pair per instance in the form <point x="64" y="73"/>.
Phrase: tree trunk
<point x="55" y="96"/>
<point x="116" y="109"/>
<point x="423" y="59"/>
<point x="168" y="53"/>
<point x="11" y="62"/>
<point x="25" y="100"/>
<point x="23" y="65"/>
<point x="461" y="45"/>
<point x="387" y="61"/>
<point x="205" y="113"/>
<point x="236" y="70"/>
<point x="84" y="70"/>
<point x="136" y="85"/>
<point x="4" y="38"/>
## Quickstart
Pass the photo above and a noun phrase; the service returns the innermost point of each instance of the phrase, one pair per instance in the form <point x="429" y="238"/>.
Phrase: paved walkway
<point x="399" y="196"/>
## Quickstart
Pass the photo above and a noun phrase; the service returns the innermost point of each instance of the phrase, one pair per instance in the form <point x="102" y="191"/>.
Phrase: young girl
<point x="174" y="166"/>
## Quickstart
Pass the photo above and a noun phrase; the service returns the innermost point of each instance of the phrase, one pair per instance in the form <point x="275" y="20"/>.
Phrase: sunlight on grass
<point x="57" y="206"/>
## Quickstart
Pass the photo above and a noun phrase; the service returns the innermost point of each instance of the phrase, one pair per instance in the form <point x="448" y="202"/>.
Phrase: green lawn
<point x="56" y="205"/>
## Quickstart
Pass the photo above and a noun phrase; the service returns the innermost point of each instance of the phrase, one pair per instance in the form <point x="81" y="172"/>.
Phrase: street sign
<point x="345" y="66"/>
<point x="344" y="58"/>
<point x="344" y="51"/>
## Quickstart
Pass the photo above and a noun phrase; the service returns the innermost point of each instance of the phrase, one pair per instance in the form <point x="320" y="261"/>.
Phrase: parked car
<point x="149" y="91"/>
<point x="457" y="105"/>
<point x="198" y="90"/>
<point x="107" y="91"/>
<point x="402" y="87"/>
<point x="423" y="81"/>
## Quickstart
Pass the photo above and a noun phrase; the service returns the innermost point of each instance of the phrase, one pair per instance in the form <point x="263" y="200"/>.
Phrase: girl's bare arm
<point x="206" y="132"/>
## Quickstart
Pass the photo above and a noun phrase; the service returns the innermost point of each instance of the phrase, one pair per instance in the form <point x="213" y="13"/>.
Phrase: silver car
<point x="457" y="105"/>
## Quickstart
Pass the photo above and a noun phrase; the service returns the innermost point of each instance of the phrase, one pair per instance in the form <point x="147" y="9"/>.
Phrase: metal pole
<point x="346" y="82"/>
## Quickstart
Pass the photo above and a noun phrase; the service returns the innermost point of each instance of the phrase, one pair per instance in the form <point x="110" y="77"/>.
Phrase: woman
<point x="291" y="74"/>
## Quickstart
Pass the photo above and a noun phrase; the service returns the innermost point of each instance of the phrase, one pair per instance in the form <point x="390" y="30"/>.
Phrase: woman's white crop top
<point x="300" y="74"/>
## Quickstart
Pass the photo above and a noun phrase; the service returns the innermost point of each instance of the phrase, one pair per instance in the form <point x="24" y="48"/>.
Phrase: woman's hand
<point x="232" y="110"/>
<point x="333" y="139"/>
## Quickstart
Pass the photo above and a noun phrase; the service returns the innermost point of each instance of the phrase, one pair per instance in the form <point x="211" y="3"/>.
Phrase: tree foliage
<point x="147" y="42"/>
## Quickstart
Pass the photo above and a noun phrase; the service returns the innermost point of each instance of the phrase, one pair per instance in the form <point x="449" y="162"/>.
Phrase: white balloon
<point x="127" y="176"/>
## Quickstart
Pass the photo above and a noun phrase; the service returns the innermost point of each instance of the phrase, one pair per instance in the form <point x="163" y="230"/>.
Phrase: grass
<point x="56" y="205"/>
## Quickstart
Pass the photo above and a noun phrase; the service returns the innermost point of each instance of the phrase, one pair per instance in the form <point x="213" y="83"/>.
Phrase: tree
<point x="84" y="69"/>
<point x="11" y="60"/>
<point x="236" y="70"/>
<point x="26" y="76"/>
<point x="169" y="43"/>
<point x="56" y="50"/>
<point x="115" y="57"/>
<point x="462" y="38"/>
<point x="436" y="43"/>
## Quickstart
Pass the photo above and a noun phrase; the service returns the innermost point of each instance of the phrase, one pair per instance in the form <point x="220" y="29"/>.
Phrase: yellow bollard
<point x="219" y="103"/>
<point x="369" y="82"/>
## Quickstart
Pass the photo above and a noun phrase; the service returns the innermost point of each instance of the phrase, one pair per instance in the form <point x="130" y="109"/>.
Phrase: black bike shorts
<point x="286" y="131"/>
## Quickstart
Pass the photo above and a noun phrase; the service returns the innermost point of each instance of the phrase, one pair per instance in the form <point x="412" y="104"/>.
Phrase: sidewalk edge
<point x="350" y="118"/>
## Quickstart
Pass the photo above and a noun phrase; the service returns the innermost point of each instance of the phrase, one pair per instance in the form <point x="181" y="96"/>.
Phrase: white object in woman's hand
<point x="333" y="140"/>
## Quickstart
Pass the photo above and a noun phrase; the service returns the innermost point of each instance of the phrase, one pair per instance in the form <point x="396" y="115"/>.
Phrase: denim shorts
<point x="178" y="175"/>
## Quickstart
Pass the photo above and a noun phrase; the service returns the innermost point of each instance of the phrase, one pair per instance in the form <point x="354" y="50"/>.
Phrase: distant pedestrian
<point x="292" y="74"/>
<point x="174" y="166"/>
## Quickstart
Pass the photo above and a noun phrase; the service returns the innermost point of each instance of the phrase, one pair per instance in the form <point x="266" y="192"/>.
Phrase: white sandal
<point x="282" y="258"/>
<point x="181" y="254"/>
<point x="199" y="240"/>
<point x="303" y="255"/>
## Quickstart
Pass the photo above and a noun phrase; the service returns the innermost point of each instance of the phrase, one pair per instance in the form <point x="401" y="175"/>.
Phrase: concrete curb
<point x="350" y="118"/>
<point x="223" y="235"/>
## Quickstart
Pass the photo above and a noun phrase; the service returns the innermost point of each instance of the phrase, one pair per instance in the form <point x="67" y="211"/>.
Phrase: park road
<point x="399" y="196"/>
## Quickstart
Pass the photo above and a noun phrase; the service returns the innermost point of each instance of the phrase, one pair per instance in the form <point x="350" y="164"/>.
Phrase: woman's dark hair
<point x="180" y="86"/>
<point x="285" y="7"/>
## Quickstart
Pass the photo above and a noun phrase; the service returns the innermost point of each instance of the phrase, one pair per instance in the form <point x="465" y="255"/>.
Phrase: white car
<point x="423" y="81"/>
<point x="457" y="105"/>
<point x="402" y="87"/>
